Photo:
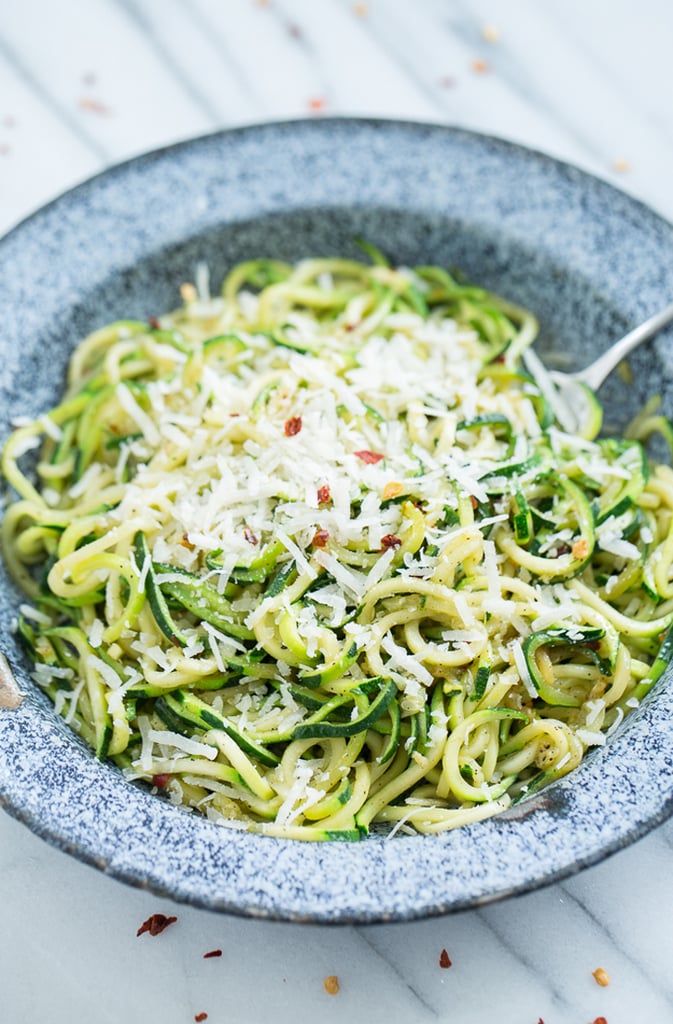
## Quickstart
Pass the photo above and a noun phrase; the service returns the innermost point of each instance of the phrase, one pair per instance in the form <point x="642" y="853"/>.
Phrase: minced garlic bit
<point x="602" y="977"/>
<point x="392" y="490"/>
<point x="580" y="549"/>
<point x="490" y="33"/>
<point x="188" y="292"/>
<point x="331" y="984"/>
<point x="621" y="165"/>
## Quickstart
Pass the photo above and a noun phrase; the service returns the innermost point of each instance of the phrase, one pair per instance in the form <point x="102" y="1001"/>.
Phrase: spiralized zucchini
<point x="313" y="555"/>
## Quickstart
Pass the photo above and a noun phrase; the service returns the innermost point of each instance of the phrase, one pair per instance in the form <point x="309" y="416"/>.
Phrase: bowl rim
<point x="554" y="800"/>
<point x="326" y="120"/>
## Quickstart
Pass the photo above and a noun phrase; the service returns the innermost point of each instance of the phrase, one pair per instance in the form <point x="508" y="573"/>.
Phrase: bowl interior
<point x="48" y="777"/>
<point x="576" y="317"/>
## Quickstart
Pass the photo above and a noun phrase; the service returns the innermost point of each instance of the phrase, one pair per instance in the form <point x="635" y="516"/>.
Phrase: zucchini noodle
<point x="313" y="556"/>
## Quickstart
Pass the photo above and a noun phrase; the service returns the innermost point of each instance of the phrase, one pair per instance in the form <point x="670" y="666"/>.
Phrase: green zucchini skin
<point x="203" y="601"/>
<point x="330" y="673"/>
<point x="557" y="638"/>
<point x="155" y="597"/>
<point x="185" y="709"/>
<point x="321" y="729"/>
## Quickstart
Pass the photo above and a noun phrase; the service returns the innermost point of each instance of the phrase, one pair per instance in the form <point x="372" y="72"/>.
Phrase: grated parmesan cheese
<point x="167" y="738"/>
<point x="522" y="668"/>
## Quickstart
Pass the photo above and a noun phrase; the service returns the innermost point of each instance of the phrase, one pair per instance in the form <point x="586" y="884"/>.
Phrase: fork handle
<point x="595" y="374"/>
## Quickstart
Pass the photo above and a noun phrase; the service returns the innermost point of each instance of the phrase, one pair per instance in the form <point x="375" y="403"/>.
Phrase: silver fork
<point x="564" y="391"/>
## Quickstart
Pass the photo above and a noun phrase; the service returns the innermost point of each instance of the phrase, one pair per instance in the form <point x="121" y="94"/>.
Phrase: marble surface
<point x="86" y="84"/>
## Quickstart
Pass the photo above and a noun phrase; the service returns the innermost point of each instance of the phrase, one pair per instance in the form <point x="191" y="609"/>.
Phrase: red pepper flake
<point x="213" y="952"/>
<point x="324" y="495"/>
<point x="390" y="541"/>
<point x="94" y="106"/>
<point x="600" y="1020"/>
<point x="154" y="323"/>
<point x="361" y="10"/>
<point x="161" y="780"/>
<point x="320" y="539"/>
<point x="444" y="960"/>
<point x="473" y="501"/>
<point x="292" y="426"/>
<point x="198" y="1017"/>
<point x="480" y="66"/>
<point x="317" y="104"/>
<point x="250" y="536"/>
<point x="155" y="924"/>
<point x="371" y="458"/>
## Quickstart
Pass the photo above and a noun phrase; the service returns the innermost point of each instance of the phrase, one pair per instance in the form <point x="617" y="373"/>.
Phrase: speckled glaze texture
<point x="590" y="261"/>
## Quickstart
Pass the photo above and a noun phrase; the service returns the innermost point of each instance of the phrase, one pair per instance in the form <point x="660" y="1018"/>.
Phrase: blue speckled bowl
<point x="588" y="259"/>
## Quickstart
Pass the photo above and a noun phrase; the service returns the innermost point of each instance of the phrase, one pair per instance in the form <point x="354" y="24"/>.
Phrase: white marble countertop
<point x="86" y="83"/>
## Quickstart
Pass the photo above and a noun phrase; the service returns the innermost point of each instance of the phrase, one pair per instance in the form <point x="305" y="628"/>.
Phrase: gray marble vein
<point x="499" y="922"/>
<point x="208" y="17"/>
<point x="463" y="24"/>
<point x="630" y="899"/>
<point x="368" y="936"/>
<point x="138" y="14"/>
<point x="386" y="32"/>
<point x="599" y="927"/>
<point x="32" y="79"/>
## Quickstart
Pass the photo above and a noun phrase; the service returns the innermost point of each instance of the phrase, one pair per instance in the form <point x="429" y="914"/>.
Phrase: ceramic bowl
<point x="588" y="259"/>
